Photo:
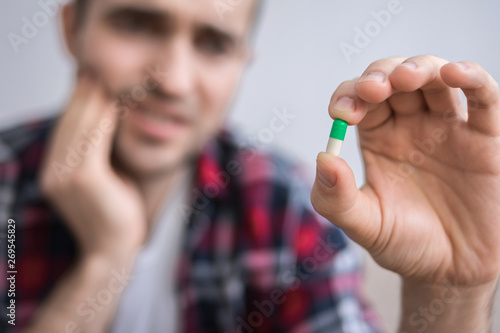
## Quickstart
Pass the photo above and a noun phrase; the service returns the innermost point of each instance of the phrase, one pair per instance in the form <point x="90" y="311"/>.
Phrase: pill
<point x="337" y="135"/>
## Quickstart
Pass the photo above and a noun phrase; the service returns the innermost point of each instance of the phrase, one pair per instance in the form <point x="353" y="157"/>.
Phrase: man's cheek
<point x="116" y="60"/>
<point x="200" y="133"/>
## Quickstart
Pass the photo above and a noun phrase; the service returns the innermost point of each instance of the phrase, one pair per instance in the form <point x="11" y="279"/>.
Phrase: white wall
<point x="298" y="66"/>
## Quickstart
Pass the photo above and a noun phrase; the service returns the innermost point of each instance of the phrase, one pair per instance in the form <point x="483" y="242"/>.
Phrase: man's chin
<point x="143" y="165"/>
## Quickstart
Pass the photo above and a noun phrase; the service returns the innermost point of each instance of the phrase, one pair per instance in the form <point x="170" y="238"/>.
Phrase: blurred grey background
<point x="298" y="65"/>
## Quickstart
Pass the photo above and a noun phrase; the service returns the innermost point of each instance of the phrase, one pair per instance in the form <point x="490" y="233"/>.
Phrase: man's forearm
<point x="86" y="298"/>
<point x="446" y="308"/>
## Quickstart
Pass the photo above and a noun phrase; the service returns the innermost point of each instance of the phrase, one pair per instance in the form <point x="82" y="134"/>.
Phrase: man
<point x="175" y="226"/>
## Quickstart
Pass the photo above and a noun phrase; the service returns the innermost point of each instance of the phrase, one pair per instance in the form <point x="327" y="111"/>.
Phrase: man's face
<point x="176" y="64"/>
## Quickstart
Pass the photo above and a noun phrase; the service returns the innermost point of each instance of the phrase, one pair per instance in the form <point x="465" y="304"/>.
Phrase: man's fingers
<point x="423" y="73"/>
<point x="84" y="131"/>
<point x="374" y="85"/>
<point x="482" y="92"/>
<point x="395" y="87"/>
<point x="336" y="197"/>
<point x="346" y="105"/>
<point x="98" y="122"/>
<point x="377" y="100"/>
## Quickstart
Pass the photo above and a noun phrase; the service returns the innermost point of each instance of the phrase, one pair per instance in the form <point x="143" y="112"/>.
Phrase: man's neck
<point x="158" y="190"/>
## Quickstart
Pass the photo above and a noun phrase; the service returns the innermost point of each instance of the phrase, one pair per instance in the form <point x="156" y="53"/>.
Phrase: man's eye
<point x="129" y="25"/>
<point x="212" y="45"/>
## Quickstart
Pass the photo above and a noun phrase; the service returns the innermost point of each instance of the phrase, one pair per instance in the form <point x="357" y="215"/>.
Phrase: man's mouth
<point x="161" y="125"/>
<point x="162" y="117"/>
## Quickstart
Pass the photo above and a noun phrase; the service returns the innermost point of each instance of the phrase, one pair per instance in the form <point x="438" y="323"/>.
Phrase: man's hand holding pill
<point x="430" y="208"/>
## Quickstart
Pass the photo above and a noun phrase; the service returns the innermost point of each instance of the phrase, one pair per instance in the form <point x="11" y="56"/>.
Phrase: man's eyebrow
<point x="220" y="32"/>
<point x="143" y="12"/>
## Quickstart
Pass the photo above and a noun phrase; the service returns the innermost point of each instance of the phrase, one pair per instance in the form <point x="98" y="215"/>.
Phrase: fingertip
<point x="325" y="158"/>
<point x="407" y="77"/>
<point x="325" y="175"/>
<point x="334" y="165"/>
<point x="343" y="108"/>
<point x="461" y="65"/>
<point x="350" y="109"/>
<point x="334" y="191"/>
<point x="454" y="73"/>
<point x="373" y="91"/>
<point x="466" y="75"/>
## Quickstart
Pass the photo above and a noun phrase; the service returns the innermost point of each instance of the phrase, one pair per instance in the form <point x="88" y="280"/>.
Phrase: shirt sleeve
<point x="44" y="248"/>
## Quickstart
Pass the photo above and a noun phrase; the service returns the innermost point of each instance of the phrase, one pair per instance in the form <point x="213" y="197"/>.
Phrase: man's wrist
<point x="446" y="307"/>
<point x="92" y="274"/>
<point x="114" y="251"/>
<point x="98" y="261"/>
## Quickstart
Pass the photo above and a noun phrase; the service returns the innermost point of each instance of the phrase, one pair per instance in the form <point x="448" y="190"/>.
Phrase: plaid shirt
<point x="255" y="257"/>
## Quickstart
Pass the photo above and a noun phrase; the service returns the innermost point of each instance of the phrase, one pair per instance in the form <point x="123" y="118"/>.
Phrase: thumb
<point x="336" y="197"/>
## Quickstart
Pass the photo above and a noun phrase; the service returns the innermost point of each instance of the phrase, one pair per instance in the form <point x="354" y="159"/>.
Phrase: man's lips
<point x="161" y="124"/>
<point x="168" y="110"/>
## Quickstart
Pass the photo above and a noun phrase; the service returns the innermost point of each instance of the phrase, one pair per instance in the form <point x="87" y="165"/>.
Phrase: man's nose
<point x="174" y="69"/>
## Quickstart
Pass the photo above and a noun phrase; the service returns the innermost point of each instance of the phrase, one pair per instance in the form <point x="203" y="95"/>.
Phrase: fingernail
<point x="409" y="64"/>
<point x="374" y="76"/>
<point x="461" y="65"/>
<point x="345" y="104"/>
<point x="328" y="179"/>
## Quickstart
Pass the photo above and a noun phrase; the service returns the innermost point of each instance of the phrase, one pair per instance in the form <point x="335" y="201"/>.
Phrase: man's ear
<point x="69" y="18"/>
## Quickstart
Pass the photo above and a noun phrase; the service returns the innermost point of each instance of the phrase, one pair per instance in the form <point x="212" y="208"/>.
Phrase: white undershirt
<point x="148" y="303"/>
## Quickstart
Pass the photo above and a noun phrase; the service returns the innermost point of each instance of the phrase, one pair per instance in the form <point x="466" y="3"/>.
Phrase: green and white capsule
<point x="337" y="135"/>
